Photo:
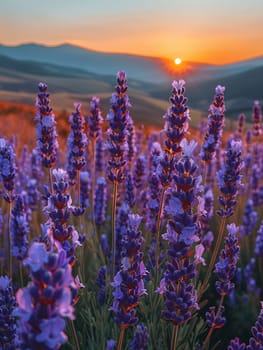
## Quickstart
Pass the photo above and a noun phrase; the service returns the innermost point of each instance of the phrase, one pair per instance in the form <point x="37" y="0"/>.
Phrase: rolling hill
<point x="76" y="74"/>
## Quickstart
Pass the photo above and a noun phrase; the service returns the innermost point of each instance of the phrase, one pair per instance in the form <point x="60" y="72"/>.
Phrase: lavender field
<point x="118" y="237"/>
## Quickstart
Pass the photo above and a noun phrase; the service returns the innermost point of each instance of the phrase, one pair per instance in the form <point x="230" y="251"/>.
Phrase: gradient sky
<point x="218" y="31"/>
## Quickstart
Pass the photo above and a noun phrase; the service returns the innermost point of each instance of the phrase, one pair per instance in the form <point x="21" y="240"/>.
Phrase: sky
<point x="217" y="32"/>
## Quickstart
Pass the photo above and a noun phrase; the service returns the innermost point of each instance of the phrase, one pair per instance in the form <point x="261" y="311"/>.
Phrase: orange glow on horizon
<point x="205" y="54"/>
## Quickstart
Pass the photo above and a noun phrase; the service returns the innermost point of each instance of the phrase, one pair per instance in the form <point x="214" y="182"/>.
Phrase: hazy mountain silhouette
<point x="71" y="71"/>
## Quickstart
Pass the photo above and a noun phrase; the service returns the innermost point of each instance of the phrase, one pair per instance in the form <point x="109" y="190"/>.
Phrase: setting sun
<point x="177" y="60"/>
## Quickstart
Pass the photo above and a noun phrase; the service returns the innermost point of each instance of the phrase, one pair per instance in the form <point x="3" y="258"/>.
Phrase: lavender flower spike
<point x="259" y="242"/>
<point x="47" y="143"/>
<point x="226" y="267"/>
<point x="128" y="282"/>
<point x="19" y="229"/>
<point x="182" y="232"/>
<point x="100" y="202"/>
<point x="215" y="125"/>
<point x="95" y="119"/>
<point x="59" y="210"/>
<point x="117" y="133"/>
<point x="229" y="179"/>
<point x="46" y="301"/>
<point x="7" y="319"/>
<point x="236" y="345"/>
<point x="257" y="119"/>
<point x="77" y="142"/>
<point x="176" y="126"/>
<point x="7" y="165"/>
<point x="256" y="341"/>
<point x="141" y="338"/>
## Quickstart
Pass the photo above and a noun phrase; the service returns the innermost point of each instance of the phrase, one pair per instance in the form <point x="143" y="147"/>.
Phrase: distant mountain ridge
<point x="142" y="68"/>
<point x="23" y="67"/>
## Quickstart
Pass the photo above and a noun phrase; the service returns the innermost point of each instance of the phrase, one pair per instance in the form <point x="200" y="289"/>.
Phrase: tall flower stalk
<point x="19" y="230"/>
<point x="7" y="177"/>
<point x="182" y="232"/>
<point x="213" y="136"/>
<point x="128" y="282"/>
<point x="175" y="128"/>
<point x="7" y="319"/>
<point x="225" y="269"/>
<point x="94" y="132"/>
<point x="76" y="146"/>
<point x="46" y="301"/>
<point x="59" y="210"/>
<point x="47" y="144"/>
<point x="229" y="181"/>
<point x="257" y="119"/>
<point x="118" y="118"/>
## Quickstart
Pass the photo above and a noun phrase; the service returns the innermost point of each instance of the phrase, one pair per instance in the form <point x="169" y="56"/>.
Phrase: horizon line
<point x="163" y="58"/>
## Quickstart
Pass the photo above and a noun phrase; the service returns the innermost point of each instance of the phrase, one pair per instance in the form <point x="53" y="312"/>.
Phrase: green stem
<point x="174" y="336"/>
<point x="209" y="334"/>
<point x="158" y="227"/>
<point x="213" y="258"/>
<point x="121" y="337"/>
<point x="113" y="244"/>
<point x="75" y="337"/>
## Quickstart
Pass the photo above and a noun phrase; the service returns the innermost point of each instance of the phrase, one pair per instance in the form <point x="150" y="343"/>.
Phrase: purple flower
<point x="250" y="219"/>
<point x="94" y="120"/>
<point x="85" y="185"/>
<point x="208" y="211"/>
<point x="59" y="210"/>
<point x="215" y="320"/>
<point x="182" y="232"/>
<point x="99" y="151"/>
<point x="19" y="229"/>
<point x="47" y="143"/>
<point x="141" y="338"/>
<point x="215" y="125"/>
<point x="129" y="190"/>
<point x="121" y="230"/>
<point x="236" y="345"/>
<point x="76" y="144"/>
<point x="256" y="341"/>
<point x="259" y="242"/>
<point x="7" y="319"/>
<point x="240" y="125"/>
<point x="52" y="332"/>
<point x="111" y="344"/>
<point x="100" y="202"/>
<point x="118" y="117"/>
<point x="35" y="164"/>
<point x="176" y="126"/>
<point x="225" y="268"/>
<point x="46" y="300"/>
<point x="7" y="166"/>
<point x="139" y="172"/>
<point x="229" y="179"/>
<point x="250" y="280"/>
<point x="257" y="119"/>
<point x="153" y="203"/>
<point x="37" y="257"/>
<point x="128" y="282"/>
<point x="131" y="140"/>
<point x="101" y="283"/>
